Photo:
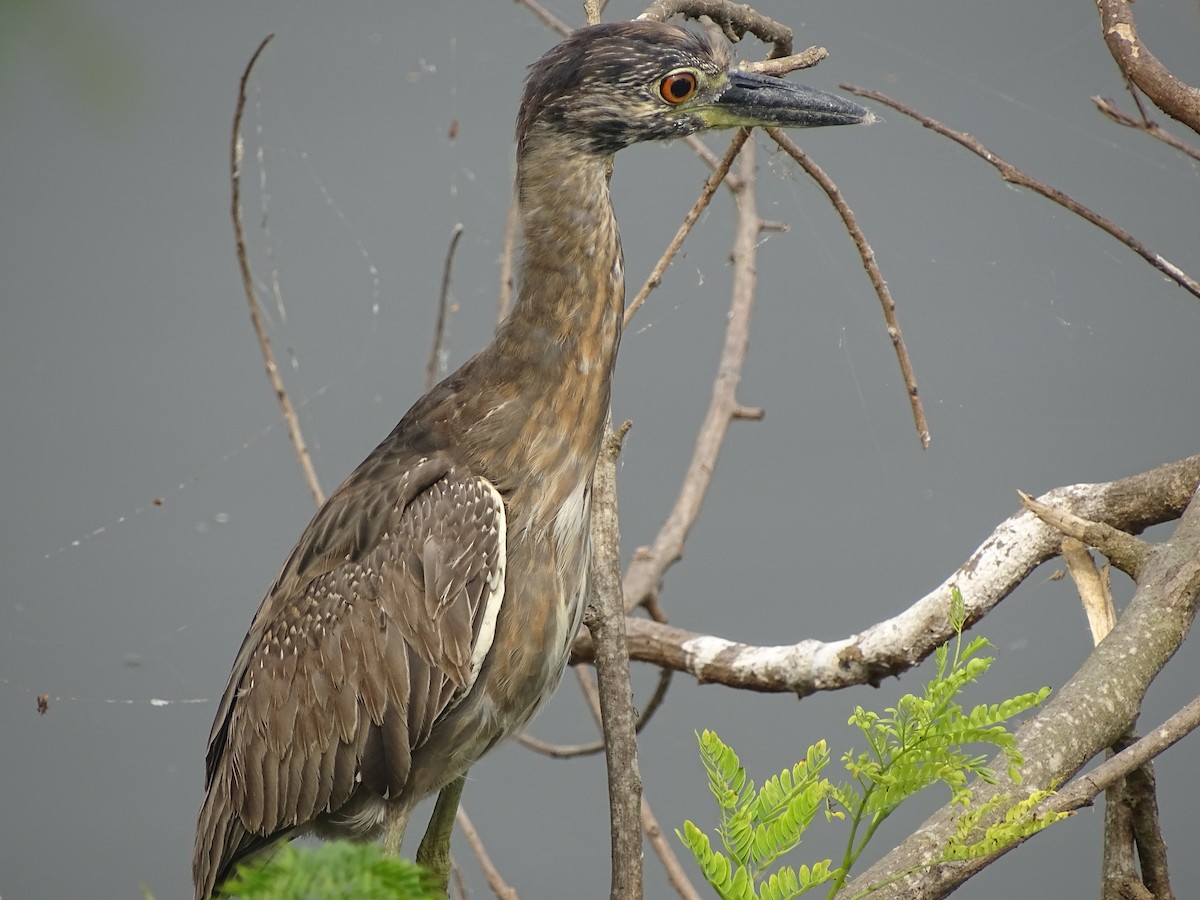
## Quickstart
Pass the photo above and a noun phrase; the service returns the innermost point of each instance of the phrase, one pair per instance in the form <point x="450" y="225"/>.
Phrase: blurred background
<point x="149" y="492"/>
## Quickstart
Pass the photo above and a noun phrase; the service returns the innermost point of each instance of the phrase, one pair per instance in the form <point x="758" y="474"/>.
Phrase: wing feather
<point x="377" y="625"/>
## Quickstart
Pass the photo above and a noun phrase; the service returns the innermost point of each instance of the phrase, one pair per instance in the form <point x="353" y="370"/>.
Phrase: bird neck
<point x="559" y="344"/>
<point x="571" y="293"/>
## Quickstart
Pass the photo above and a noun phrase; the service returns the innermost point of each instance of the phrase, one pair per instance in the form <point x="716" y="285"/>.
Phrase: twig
<point x="605" y="619"/>
<point x="591" y="11"/>
<point x="559" y="751"/>
<point x="734" y="20"/>
<point x="1085" y="788"/>
<point x="511" y="224"/>
<point x="495" y="880"/>
<point x="543" y="15"/>
<point x="685" y="227"/>
<point x="236" y="152"/>
<point x="645" y="572"/>
<point x="665" y="852"/>
<point x="1013" y="175"/>
<point x="869" y="263"/>
<point x="1109" y="109"/>
<point x="572" y="751"/>
<point x="439" y="331"/>
<point x="786" y="64"/>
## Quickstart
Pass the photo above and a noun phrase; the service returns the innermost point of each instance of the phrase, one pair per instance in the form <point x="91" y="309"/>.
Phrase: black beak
<point x="753" y="99"/>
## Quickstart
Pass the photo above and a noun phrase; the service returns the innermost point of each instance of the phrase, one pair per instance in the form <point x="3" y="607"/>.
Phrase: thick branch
<point x="1177" y="99"/>
<point x="1087" y="715"/>
<point x="993" y="571"/>
<point x="1123" y="550"/>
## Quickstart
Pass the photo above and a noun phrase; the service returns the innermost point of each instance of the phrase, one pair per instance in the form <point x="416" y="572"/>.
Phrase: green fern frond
<point x="924" y="739"/>
<point x="726" y="777"/>
<point x="1021" y="821"/>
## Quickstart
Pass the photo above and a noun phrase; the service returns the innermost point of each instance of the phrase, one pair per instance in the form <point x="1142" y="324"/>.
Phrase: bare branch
<point x="868" y="259"/>
<point x="1130" y="805"/>
<point x="507" y="254"/>
<point x="1131" y="822"/>
<point x="693" y="215"/>
<point x="1125" y="551"/>
<point x="1091" y="784"/>
<point x="994" y="570"/>
<point x="786" y="64"/>
<point x="1174" y="97"/>
<point x="571" y="751"/>
<point x="666" y="854"/>
<point x="434" y="366"/>
<point x="543" y="15"/>
<point x="1013" y="175"/>
<point x="495" y="880"/>
<point x="605" y="619"/>
<point x="1088" y="714"/>
<point x="1119" y="880"/>
<point x="734" y="19"/>
<point x="650" y="564"/>
<point x="236" y="151"/>
<point x="1141" y="796"/>
<point x="1109" y="109"/>
<point x="1094" y="591"/>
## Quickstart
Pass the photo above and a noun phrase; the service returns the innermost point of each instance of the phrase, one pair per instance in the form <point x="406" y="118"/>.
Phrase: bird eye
<point x="678" y="87"/>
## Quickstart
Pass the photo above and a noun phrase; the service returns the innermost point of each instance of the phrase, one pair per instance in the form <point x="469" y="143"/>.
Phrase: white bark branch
<point x="994" y="570"/>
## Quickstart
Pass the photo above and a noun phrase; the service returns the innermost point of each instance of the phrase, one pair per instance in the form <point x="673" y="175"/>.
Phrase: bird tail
<point x="220" y="841"/>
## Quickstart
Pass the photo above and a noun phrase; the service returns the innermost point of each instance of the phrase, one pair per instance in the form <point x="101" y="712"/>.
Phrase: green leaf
<point x="924" y="739"/>
<point x="336" y="870"/>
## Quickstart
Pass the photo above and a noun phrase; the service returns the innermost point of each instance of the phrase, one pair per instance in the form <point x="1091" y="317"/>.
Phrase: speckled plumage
<point x="429" y="607"/>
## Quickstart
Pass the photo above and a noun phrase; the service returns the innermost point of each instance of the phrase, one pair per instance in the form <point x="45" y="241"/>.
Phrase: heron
<point x="428" y="609"/>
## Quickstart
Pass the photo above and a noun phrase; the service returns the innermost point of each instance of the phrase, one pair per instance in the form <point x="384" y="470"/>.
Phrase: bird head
<point x="611" y="85"/>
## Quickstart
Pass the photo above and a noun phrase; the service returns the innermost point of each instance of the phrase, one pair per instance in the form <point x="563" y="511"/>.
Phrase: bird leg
<point x="434" y="851"/>
<point x="395" y="822"/>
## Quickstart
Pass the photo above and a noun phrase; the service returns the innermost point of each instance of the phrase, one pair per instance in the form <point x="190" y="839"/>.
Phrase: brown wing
<point x="377" y="626"/>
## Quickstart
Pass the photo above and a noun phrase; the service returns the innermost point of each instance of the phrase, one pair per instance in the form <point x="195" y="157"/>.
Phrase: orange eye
<point x="677" y="87"/>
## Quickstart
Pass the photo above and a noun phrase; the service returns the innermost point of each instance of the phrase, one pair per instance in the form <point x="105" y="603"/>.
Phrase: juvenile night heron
<point x="428" y="608"/>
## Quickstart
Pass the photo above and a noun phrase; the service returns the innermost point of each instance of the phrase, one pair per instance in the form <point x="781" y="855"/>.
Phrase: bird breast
<point x="573" y="540"/>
